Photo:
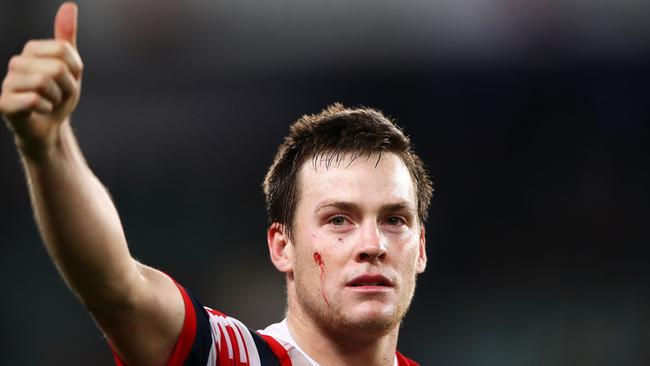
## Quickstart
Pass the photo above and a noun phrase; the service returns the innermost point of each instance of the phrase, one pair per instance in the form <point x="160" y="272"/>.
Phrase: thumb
<point x="65" y="23"/>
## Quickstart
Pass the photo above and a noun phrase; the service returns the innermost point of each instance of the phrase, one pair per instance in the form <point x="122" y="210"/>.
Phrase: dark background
<point x="532" y="117"/>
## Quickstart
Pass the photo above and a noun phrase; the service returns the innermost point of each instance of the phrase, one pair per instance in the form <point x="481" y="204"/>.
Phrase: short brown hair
<point x="329" y="135"/>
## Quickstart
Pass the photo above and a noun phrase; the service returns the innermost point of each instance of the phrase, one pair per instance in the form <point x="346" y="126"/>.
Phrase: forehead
<point x="368" y="179"/>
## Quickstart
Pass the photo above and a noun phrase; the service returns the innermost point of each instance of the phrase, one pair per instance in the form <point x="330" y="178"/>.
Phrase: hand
<point x="43" y="84"/>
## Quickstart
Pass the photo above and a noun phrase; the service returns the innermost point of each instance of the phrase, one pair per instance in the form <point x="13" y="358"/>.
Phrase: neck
<point x="338" y="347"/>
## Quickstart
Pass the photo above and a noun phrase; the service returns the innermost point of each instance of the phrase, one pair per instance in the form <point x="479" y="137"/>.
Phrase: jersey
<point x="211" y="338"/>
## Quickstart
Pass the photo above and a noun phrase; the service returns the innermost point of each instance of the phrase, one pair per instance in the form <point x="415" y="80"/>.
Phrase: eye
<point x="395" y="221"/>
<point x="338" y="220"/>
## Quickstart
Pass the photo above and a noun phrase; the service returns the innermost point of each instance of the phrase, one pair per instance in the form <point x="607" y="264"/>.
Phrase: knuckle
<point x="71" y="54"/>
<point x="58" y="69"/>
<point x="66" y="47"/>
<point x="14" y="62"/>
<point x="6" y="83"/>
<point x="42" y="81"/>
<point x="58" y="48"/>
<point x="29" y="45"/>
<point x="32" y="100"/>
<point x="57" y="51"/>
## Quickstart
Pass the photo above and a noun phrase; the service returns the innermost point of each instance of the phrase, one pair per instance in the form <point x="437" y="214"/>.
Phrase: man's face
<point x="357" y="242"/>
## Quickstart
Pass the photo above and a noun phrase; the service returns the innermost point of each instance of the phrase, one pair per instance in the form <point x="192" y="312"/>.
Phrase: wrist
<point x="42" y="149"/>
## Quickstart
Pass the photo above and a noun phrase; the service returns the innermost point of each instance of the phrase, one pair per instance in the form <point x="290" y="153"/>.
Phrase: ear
<point x="280" y="247"/>
<point x="422" y="255"/>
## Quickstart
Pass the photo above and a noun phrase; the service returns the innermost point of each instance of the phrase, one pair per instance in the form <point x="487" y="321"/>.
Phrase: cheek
<point x="409" y="253"/>
<point x="400" y="238"/>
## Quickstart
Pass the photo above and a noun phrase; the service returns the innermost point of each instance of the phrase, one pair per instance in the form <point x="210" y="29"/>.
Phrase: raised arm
<point x="139" y="308"/>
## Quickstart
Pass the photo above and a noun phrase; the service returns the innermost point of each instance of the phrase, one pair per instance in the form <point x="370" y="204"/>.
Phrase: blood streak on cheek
<point x="321" y="265"/>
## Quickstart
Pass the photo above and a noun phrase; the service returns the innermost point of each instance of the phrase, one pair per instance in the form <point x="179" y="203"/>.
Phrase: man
<point x="346" y="197"/>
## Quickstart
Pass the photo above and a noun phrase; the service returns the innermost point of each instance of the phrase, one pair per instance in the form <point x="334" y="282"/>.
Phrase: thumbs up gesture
<point x="43" y="84"/>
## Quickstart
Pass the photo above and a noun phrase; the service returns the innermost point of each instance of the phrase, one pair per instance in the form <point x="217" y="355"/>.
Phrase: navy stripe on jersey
<point x="267" y="357"/>
<point x="203" y="338"/>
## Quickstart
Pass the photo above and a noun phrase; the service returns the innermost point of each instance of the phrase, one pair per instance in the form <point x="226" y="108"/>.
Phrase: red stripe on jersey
<point x="248" y="360"/>
<point x="404" y="361"/>
<point x="118" y="360"/>
<point x="223" y="359"/>
<point x="235" y="345"/>
<point x="188" y="332"/>
<point x="278" y="350"/>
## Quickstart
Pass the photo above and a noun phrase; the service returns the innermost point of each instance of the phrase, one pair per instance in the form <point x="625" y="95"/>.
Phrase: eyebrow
<point x="351" y="206"/>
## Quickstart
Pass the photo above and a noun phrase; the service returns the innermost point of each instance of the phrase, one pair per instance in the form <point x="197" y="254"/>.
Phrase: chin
<point x="352" y="317"/>
<point x="370" y="323"/>
<point x="373" y="310"/>
<point x="371" y="318"/>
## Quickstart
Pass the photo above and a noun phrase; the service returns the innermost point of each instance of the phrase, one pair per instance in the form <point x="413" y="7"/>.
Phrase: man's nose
<point x="372" y="247"/>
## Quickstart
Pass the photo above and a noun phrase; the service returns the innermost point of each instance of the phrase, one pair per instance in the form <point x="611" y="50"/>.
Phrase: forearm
<point x="139" y="308"/>
<point x="79" y="223"/>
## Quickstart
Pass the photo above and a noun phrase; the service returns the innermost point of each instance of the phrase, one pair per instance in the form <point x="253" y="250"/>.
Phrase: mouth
<point x="370" y="282"/>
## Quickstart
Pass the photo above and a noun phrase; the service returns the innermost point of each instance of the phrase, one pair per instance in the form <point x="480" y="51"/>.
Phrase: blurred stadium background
<point x="532" y="117"/>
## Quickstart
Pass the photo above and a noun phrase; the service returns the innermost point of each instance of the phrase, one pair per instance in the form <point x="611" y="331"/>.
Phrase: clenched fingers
<point x="14" y="103"/>
<point x="56" y="49"/>
<point x="44" y="68"/>
<point x="40" y="83"/>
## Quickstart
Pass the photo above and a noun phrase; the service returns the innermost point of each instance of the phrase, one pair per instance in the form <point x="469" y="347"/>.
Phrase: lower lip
<point x="369" y="289"/>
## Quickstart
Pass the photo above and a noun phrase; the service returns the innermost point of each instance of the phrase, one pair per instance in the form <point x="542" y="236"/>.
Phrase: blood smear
<point x="319" y="260"/>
